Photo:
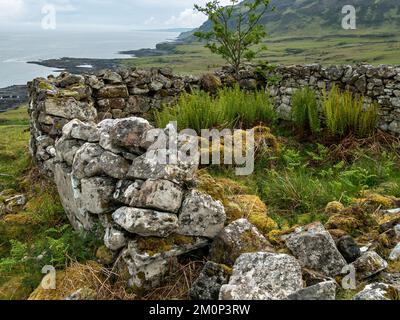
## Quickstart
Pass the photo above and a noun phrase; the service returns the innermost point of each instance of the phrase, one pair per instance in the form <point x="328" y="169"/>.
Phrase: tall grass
<point x="345" y="114"/>
<point x="305" y="110"/>
<point x="231" y="108"/>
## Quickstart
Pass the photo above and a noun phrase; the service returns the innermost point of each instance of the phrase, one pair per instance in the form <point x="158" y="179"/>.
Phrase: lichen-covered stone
<point x="321" y="291"/>
<point x="70" y="197"/>
<point x="201" y="216"/>
<point x="314" y="247"/>
<point x="87" y="161"/>
<point x="66" y="150"/>
<point x="77" y="129"/>
<point x="96" y="194"/>
<point x="146" y="222"/>
<point x="114" y="239"/>
<point x="376" y="291"/>
<point x="208" y="285"/>
<point x="113" y="91"/>
<point x="114" y="165"/>
<point x="263" y="276"/>
<point x="128" y="133"/>
<point x="153" y="165"/>
<point x="69" y="108"/>
<point x="369" y="264"/>
<point x="237" y="238"/>
<point x="162" y="195"/>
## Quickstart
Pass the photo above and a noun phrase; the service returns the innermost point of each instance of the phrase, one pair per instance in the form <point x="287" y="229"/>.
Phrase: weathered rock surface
<point x="315" y="249"/>
<point x="320" y="291"/>
<point x="114" y="239"/>
<point x="395" y="254"/>
<point x="146" y="223"/>
<point x="209" y="283"/>
<point x="237" y="238"/>
<point x="375" y="291"/>
<point x="369" y="264"/>
<point x="160" y="195"/>
<point x="113" y="165"/>
<point x="96" y="194"/>
<point x="263" y="276"/>
<point x="201" y="216"/>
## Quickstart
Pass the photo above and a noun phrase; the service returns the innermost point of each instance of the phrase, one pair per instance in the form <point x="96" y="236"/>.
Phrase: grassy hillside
<point x="305" y="31"/>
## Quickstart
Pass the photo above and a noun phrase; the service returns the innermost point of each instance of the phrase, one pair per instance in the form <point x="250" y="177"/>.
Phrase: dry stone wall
<point x="89" y="133"/>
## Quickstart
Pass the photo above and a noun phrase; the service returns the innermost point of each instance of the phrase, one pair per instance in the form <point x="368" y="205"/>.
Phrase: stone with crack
<point x="128" y="133"/>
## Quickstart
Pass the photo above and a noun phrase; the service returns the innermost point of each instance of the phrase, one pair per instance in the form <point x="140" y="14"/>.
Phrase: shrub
<point x="231" y="108"/>
<point x="346" y="114"/>
<point x="305" y="110"/>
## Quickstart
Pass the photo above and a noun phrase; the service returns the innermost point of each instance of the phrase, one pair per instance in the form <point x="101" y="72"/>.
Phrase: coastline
<point x="13" y="96"/>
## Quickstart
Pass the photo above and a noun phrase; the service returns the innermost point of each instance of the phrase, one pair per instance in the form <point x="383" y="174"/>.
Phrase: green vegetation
<point x="231" y="108"/>
<point x="235" y="29"/>
<point x="305" y="110"/>
<point x="374" y="46"/>
<point x="36" y="234"/>
<point x="346" y="114"/>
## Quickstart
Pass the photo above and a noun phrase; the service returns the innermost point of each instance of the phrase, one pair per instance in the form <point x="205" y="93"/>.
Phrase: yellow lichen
<point x="153" y="245"/>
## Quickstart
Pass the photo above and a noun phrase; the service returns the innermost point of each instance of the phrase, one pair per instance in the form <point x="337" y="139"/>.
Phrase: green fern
<point x="345" y="114"/>
<point x="305" y="110"/>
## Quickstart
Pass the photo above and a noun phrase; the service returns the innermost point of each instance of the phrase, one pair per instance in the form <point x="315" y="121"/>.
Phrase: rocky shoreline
<point x="12" y="97"/>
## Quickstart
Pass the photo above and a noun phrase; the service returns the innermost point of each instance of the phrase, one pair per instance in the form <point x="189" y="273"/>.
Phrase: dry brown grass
<point x="376" y="143"/>
<point x="177" y="285"/>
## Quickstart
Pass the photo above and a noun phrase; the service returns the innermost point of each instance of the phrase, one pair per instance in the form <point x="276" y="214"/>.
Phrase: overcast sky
<point x="75" y="14"/>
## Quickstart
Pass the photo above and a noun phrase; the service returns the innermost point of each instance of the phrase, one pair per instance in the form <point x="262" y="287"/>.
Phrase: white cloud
<point x="188" y="18"/>
<point x="11" y="9"/>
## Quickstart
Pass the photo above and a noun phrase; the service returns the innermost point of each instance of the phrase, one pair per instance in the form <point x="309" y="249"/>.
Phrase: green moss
<point x="43" y="85"/>
<point x="153" y="246"/>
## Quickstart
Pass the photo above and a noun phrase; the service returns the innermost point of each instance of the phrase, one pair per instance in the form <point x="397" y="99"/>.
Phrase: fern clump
<point x="231" y="108"/>
<point x="346" y="114"/>
<point x="305" y="110"/>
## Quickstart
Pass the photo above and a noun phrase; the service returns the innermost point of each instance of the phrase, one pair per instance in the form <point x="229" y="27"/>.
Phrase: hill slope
<point x="318" y="17"/>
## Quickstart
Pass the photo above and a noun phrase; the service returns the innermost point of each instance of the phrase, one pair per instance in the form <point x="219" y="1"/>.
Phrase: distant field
<point x="375" y="47"/>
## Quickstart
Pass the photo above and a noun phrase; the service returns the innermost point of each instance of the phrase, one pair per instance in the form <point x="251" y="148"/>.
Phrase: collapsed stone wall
<point x="89" y="134"/>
